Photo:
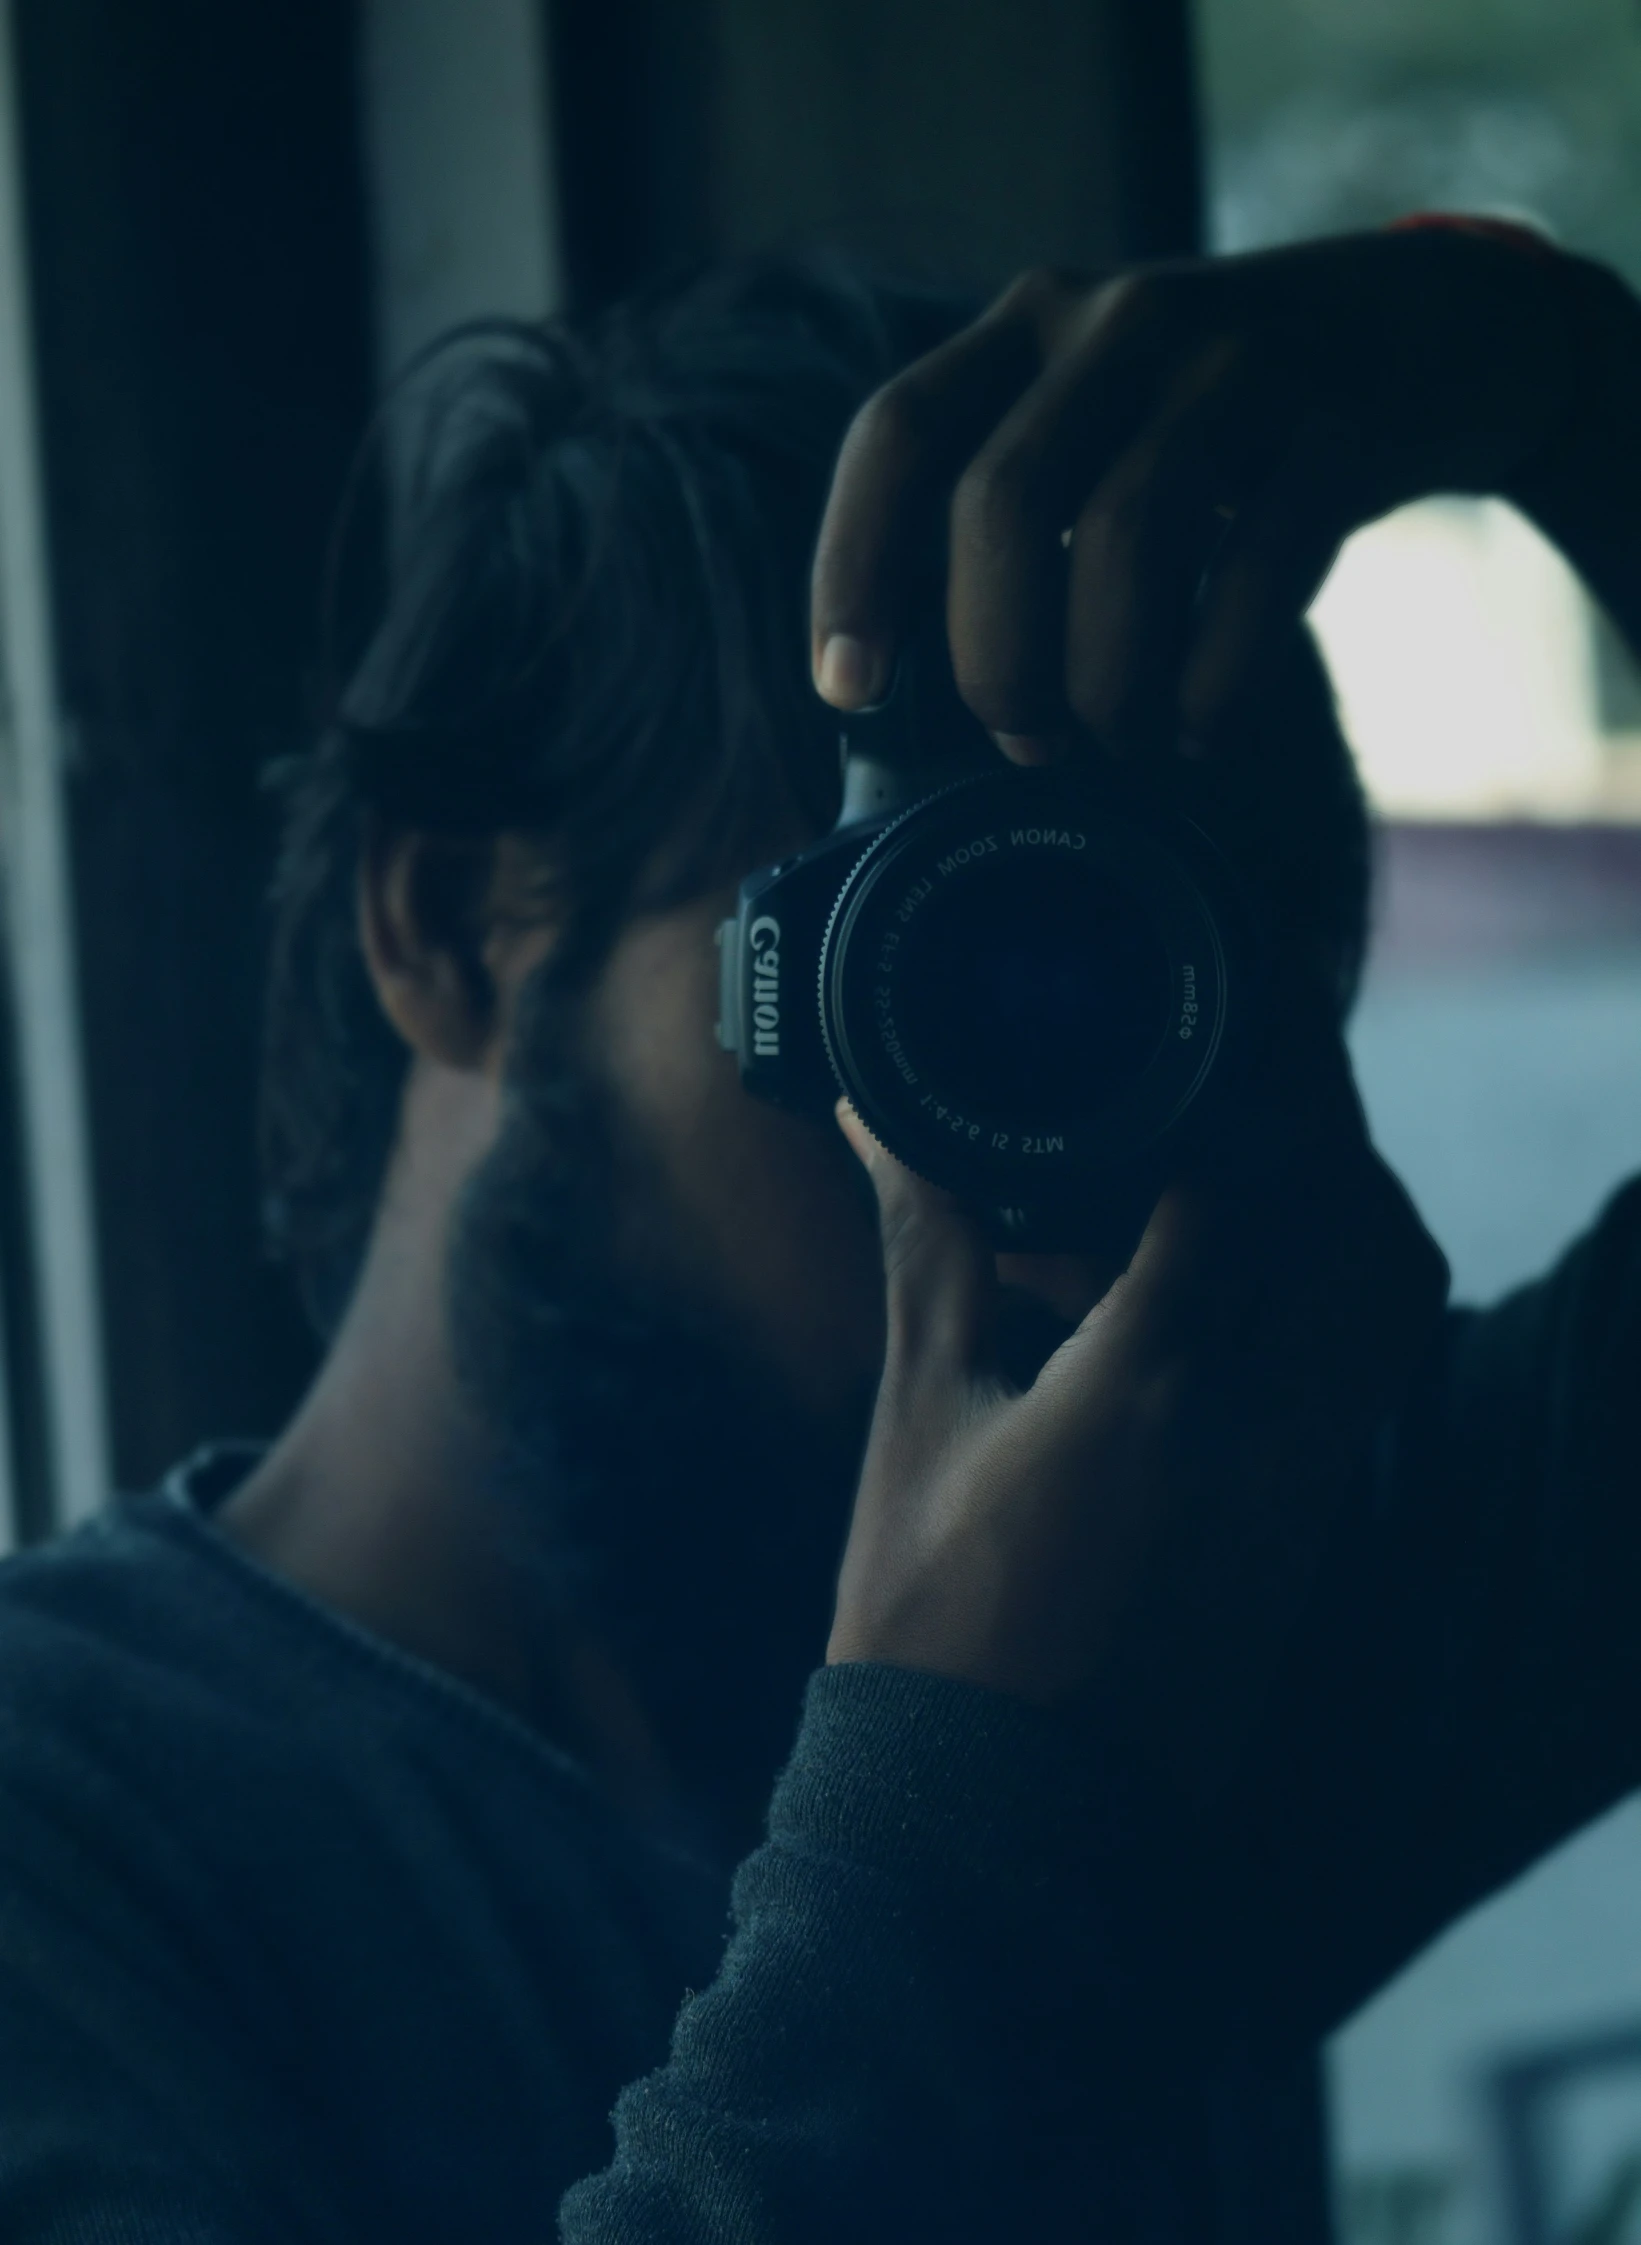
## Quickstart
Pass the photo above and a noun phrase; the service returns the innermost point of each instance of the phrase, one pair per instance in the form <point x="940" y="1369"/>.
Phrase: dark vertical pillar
<point x="1159" y="180"/>
<point x="958" y="138"/>
<point x="201" y="308"/>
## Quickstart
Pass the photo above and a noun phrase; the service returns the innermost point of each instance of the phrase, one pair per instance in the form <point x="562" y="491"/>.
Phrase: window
<point x="1473" y="674"/>
<point x="1498" y="724"/>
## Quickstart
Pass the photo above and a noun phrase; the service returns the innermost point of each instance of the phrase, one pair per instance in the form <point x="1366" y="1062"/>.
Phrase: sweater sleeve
<point x="1468" y="1690"/>
<point x="935" y="2009"/>
<point x="941" y="2014"/>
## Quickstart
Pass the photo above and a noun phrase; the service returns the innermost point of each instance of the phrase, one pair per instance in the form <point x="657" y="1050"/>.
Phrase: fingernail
<point x="1024" y="748"/>
<point x="850" y="673"/>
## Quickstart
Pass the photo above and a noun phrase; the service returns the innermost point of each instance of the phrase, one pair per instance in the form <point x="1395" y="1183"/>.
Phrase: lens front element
<point x="1037" y="983"/>
<point x="1024" y="985"/>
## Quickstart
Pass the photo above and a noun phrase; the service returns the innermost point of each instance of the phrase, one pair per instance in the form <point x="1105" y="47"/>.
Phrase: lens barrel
<point x="1026" y="987"/>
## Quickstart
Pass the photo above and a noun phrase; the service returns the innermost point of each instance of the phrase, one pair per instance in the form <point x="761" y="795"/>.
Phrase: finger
<point x="903" y="451"/>
<point x="1136" y="1340"/>
<point x="1270" y="567"/>
<point x="1147" y="534"/>
<point x="1012" y="508"/>
<point x="938" y="1270"/>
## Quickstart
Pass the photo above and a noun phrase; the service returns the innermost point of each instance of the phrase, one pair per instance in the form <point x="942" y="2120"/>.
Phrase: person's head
<point x="584" y="714"/>
<point x="592" y="647"/>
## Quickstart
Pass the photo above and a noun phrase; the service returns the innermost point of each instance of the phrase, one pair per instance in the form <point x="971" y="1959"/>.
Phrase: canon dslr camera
<point x="1032" y="987"/>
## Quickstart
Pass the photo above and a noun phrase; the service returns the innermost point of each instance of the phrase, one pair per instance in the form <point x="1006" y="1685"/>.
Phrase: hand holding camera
<point x="1141" y="1520"/>
<point x="1144" y="1519"/>
<point x="1037" y="986"/>
<point x="1146" y="479"/>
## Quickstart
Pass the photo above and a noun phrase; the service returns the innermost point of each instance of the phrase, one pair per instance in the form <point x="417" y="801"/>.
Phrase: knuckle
<point x="992" y="501"/>
<point x="892" y="427"/>
<point x="1126" y="300"/>
<point x="1052" y="303"/>
<point x="1147" y="300"/>
<point x="1040" y="291"/>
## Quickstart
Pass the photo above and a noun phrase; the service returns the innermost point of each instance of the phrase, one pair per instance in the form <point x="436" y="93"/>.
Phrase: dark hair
<point x="595" y="634"/>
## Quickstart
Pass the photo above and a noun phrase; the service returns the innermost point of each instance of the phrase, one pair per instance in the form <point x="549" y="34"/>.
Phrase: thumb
<point x="939" y="1272"/>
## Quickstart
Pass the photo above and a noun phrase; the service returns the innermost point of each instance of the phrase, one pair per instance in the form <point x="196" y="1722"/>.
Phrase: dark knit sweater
<point x="300" y="1940"/>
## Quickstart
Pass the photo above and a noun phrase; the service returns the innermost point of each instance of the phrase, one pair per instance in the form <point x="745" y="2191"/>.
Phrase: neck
<point x="373" y="1501"/>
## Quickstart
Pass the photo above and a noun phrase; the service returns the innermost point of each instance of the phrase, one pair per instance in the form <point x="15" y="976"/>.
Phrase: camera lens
<point x="1024" y="988"/>
<point x="1039" y="986"/>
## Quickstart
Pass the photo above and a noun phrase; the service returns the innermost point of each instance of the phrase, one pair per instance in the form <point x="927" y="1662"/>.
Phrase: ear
<point x="445" y="940"/>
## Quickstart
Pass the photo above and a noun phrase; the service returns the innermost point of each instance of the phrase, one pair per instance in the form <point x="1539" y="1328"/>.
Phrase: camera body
<point x="1032" y="987"/>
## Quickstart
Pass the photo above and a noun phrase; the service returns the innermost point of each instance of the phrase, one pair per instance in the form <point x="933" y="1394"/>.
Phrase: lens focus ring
<point x="1025" y="986"/>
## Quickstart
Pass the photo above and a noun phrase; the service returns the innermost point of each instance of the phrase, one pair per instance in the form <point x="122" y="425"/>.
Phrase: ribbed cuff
<point x="927" y="1777"/>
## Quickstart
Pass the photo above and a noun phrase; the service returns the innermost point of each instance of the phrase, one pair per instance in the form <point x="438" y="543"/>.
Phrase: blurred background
<point x="221" y="231"/>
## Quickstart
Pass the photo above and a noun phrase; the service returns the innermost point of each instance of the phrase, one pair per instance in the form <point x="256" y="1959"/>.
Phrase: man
<point x="371" y="1800"/>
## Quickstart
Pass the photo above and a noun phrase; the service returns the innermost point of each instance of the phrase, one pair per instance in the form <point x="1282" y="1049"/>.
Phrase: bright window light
<point x="1466" y="661"/>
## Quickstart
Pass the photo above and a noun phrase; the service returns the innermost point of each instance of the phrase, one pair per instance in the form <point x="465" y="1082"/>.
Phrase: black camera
<point x="1033" y="987"/>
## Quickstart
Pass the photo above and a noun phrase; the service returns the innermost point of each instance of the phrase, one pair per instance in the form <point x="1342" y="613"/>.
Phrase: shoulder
<point x="92" y="1598"/>
<point x="163" y="1695"/>
<point x="124" y="2070"/>
<point x="133" y="1590"/>
<point x="118" y="1650"/>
